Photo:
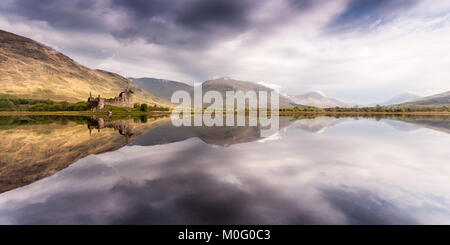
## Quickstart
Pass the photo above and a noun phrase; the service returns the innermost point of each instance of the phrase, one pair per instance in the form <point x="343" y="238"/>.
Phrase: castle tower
<point x="128" y="85"/>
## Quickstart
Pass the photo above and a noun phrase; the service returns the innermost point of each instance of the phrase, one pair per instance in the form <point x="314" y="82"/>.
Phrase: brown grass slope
<point x="433" y="100"/>
<point x="29" y="69"/>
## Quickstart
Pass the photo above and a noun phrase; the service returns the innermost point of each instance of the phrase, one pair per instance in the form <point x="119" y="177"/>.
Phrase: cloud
<point x="208" y="15"/>
<point x="74" y="15"/>
<point x="270" y="85"/>
<point x="360" y="14"/>
<point x="186" y="23"/>
<point x="361" y="51"/>
<point x="362" y="207"/>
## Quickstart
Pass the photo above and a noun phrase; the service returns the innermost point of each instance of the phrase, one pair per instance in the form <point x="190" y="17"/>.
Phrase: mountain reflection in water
<point x="314" y="170"/>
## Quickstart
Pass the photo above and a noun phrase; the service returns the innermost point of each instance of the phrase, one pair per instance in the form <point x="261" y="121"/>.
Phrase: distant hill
<point x="437" y="99"/>
<point x="161" y="87"/>
<point x="227" y="84"/>
<point x="29" y="69"/>
<point x="165" y="88"/>
<point x="398" y="99"/>
<point x="317" y="99"/>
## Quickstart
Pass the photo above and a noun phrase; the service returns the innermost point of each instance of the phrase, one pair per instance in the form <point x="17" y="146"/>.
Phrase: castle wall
<point x="119" y="103"/>
<point x="125" y="99"/>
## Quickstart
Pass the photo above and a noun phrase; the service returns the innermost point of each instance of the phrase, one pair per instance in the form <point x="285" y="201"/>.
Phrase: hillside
<point x="29" y="69"/>
<point x="161" y="87"/>
<point x="398" y="99"/>
<point x="433" y="100"/>
<point x="317" y="99"/>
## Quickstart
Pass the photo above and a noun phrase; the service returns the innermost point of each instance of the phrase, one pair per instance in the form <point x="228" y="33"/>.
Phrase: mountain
<point x="165" y="88"/>
<point x="317" y="99"/>
<point x="161" y="87"/>
<point x="227" y="84"/>
<point x="29" y="69"/>
<point x="437" y="99"/>
<point x="398" y="99"/>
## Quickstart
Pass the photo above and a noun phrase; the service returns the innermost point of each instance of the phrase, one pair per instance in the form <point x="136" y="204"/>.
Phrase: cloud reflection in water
<point x="355" y="172"/>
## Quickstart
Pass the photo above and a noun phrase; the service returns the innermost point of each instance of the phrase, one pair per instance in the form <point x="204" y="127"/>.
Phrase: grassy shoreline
<point x="77" y="113"/>
<point x="281" y="113"/>
<point x="366" y="113"/>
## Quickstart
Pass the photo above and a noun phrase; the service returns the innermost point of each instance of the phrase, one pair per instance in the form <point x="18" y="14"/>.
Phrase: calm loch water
<point x="322" y="170"/>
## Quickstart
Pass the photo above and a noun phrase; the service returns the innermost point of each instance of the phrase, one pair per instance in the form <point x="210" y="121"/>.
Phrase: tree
<point x="144" y="107"/>
<point x="7" y="104"/>
<point x="378" y="108"/>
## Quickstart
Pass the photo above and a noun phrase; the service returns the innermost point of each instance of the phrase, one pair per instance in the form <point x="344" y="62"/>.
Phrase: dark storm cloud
<point x="205" y="14"/>
<point x="189" y="23"/>
<point x="72" y="15"/>
<point x="302" y="4"/>
<point x="146" y="8"/>
<point x="169" y="22"/>
<point x="361" y="13"/>
<point x="193" y="14"/>
<point x="192" y="23"/>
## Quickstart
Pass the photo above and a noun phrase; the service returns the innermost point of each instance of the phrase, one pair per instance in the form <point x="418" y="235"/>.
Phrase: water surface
<point x="318" y="170"/>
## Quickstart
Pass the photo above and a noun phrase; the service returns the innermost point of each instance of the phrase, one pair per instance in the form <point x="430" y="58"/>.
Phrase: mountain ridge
<point x="317" y="99"/>
<point x="220" y="84"/>
<point x="397" y="99"/>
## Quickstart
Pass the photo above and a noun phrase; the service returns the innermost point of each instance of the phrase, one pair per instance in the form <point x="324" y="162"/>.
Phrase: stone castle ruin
<point x="125" y="99"/>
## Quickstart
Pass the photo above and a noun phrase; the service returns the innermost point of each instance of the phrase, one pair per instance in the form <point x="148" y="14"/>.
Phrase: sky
<point x="359" y="51"/>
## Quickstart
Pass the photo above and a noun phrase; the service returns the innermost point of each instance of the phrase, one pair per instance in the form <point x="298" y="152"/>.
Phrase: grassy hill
<point x="433" y="100"/>
<point x="32" y="70"/>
